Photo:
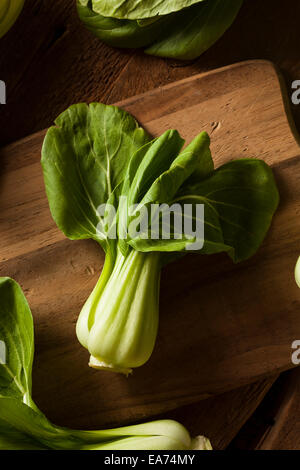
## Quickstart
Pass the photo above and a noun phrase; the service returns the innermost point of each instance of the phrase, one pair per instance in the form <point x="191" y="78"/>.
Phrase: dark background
<point x="49" y="61"/>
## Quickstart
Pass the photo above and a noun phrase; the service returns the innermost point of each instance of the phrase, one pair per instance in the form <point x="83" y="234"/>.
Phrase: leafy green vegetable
<point x="197" y="30"/>
<point x="15" y="377"/>
<point x="90" y="159"/>
<point x="244" y="195"/>
<point x="9" y="12"/>
<point x="24" y="426"/>
<point x="177" y="29"/>
<point x="106" y="136"/>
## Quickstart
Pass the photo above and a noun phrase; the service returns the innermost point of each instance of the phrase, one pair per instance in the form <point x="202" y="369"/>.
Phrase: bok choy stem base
<point x="119" y="322"/>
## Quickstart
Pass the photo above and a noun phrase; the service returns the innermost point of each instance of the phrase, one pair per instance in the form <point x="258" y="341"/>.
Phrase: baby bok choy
<point x="24" y="426"/>
<point x="103" y="176"/>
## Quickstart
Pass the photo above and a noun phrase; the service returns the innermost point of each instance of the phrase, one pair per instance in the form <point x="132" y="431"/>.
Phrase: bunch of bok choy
<point x="96" y="158"/>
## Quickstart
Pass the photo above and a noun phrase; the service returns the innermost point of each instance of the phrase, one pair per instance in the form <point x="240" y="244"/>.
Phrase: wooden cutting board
<point x="221" y="325"/>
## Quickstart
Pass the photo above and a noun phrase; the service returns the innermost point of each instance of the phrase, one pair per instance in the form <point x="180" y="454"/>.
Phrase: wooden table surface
<point x="49" y="61"/>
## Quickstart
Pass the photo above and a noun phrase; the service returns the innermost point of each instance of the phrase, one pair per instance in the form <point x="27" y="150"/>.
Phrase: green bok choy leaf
<point x="176" y="29"/>
<point x="24" y="426"/>
<point x="139" y="9"/>
<point x="98" y="156"/>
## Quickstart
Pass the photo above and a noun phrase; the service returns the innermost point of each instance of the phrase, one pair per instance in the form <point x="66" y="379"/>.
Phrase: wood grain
<point x="275" y="424"/>
<point x="284" y="434"/>
<point x="222" y="417"/>
<point x="205" y="302"/>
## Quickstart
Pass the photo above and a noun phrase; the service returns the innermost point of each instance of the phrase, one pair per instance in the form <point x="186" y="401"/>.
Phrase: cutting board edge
<point x="202" y="75"/>
<point x="277" y="72"/>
